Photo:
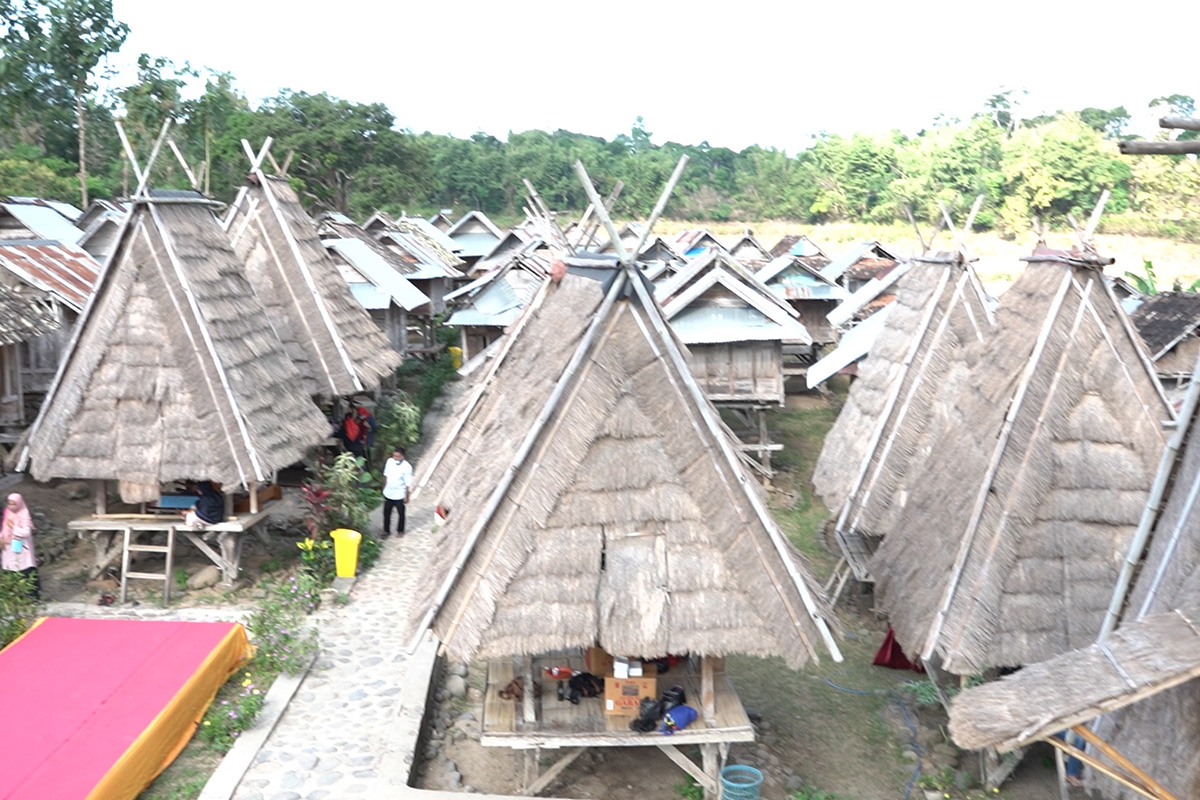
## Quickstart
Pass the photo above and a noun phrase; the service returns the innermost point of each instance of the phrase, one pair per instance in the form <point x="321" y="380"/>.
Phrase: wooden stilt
<point x="691" y="768"/>
<point x="708" y="692"/>
<point x="531" y="766"/>
<point x="1060" y="766"/>
<point x="550" y="775"/>
<point x="100" y="488"/>
<point x="528" y="712"/>
<point x="253" y="497"/>
<point x="712" y="768"/>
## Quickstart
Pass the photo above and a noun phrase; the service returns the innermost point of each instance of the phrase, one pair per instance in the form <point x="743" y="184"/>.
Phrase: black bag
<point x="585" y="684"/>
<point x="675" y="696"/>
<point x="649" y="712"/>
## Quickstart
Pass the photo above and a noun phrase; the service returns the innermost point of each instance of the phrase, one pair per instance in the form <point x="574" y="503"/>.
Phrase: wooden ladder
<point x="166" y="577"/>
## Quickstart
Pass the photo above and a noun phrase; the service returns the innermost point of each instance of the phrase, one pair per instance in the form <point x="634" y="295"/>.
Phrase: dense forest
<point x="58" y="140"/>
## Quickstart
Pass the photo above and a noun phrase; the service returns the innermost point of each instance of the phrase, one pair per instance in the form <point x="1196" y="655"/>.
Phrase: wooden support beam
<point x="1117" y="758"/>
<point x="551" y="774"/>
<point x="708" y="688"/>
<point x="527" y="709"/>
<point x="712" y="768"/>
<point x="253" y="497"/>
<point x="531" y="766"/>
<point x="690" y="767"/>
<point x="1180" y="123"/>
<point x="1158" y="148"/>
<point x="100" y="488"/>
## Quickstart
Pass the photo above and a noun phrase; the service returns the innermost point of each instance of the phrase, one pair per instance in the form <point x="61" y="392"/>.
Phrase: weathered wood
<point x="712" y="768"/>
<point x="708" y="697"/>
<point x="1159" y="148"/>
<point x="527" y="709"/>
<point x="551" y="774"/>
<point x="1180" y="123"/>
<point x="531" y="768"/>
<point x="1118" y="758"/>
<point x="1114" y="772"/>
<point x="100" y="488"/>
<point x="691" y="768"/>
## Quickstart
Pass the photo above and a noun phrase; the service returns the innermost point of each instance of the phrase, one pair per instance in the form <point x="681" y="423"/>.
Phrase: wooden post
<point x="253" y="497"/>
<point x="708" y="688"/>
<point x="1060" y="766"/>
<point x="100" y="488"/>
<point x="712" y="768"/>
<point x="228" y="498"/>
<point x="527" y="707"/>
<point x="531" y="765"/>
<point x="764" y="438"/>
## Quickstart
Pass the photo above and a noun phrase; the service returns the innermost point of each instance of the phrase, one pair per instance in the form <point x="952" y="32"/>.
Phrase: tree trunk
<point x="79" y="120"/>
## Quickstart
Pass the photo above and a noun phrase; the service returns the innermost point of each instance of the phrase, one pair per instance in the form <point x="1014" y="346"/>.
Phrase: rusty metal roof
<point x="63" y="270"/>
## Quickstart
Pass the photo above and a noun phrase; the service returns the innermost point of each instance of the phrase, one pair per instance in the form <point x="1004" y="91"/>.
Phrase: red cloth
<point x="78" y="692"/>
<point x="891" y="655"/>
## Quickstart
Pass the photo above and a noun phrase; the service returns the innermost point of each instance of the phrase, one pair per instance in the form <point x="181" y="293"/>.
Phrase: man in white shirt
<point x="397" y="479"/>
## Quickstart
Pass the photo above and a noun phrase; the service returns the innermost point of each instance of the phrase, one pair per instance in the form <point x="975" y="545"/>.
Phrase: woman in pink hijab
<point x="16" y="540"/>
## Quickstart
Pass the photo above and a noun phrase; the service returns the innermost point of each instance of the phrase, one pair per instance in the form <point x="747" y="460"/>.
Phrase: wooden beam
<point x="100" y="488"/>
<point x="1115" y="773"/>
<point x="708" y="691"/>
<point x="1180" y="123"/>
<point x="1117" y="758"/>
<point x="551" y="774"/>
<point x="1158" y="148"/>
<point x="527" y="709"/>
<point x="689" y="766"/>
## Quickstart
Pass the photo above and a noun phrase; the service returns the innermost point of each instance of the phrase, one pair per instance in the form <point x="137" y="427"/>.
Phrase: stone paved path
<point x="334" y="733"/>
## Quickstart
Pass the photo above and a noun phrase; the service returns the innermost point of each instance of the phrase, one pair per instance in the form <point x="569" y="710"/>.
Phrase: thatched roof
<point x="1167" y="318"/>
<point x="595" y="497"/>
<point x="332" y="340"/>
<point x="897" y="407"/>
<point x="174" y="370"/>
<point x="1009" y="546"/>
<point x="1143" y="676"/>
<point x="24" y="315"/>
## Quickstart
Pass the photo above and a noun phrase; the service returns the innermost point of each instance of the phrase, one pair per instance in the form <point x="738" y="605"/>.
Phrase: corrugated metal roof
<point x="834" y="269"/>
<point x="65" y="271"/>
<point x="855" y="344"/>
<point x="475" y="318"/>
<point x="499" y="303"/>
<point x="45" y="222"/>
<point x="711" y="324"/>
<point x="433" y="232"/>
<point x="378" y="272"/>
<point x="370" y="296"/>
<point x="475" y="245"/>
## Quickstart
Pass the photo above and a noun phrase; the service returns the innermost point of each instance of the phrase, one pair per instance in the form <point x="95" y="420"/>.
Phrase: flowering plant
<point x="236" y="708"/>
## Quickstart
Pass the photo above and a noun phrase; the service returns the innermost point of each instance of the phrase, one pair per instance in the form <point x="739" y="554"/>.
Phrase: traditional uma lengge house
<point x="1142" y="676"/>
<point x="329" y="336"/>
<point x="1009" y="546"/>
<point x="596" y="499"/>
<point x="898" y="405"/>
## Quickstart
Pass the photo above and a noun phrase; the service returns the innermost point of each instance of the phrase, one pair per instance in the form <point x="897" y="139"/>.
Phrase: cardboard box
<point x="599" y="662"/>
<point x="623" y="696"/>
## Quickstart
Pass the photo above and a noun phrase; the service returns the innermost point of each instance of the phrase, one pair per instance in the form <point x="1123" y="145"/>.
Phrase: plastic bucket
<point x="740" y="782"/>
<point x="345" y="551"/>
<point x="455" y="356"/>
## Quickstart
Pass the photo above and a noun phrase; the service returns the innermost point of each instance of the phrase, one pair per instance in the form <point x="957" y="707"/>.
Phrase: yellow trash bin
<point x="345" y="551"/>
<point x="455" y="356"/>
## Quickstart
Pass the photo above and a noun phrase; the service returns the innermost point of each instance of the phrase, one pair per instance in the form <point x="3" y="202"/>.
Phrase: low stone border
<point x="229" y="773"/>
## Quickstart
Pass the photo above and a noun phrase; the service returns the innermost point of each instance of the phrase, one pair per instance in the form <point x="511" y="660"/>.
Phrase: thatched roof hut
<point x="1009" y="545"/>
<point x="334" y="343"/>
<point x="897" y="407"/>
<point x="1142" y="676"/>
<point x="595" y="498"/>
<point x="174" y="370"/>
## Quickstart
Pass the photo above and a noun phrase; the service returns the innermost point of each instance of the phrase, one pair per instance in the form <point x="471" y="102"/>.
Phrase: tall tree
<point x="81" y="34"/>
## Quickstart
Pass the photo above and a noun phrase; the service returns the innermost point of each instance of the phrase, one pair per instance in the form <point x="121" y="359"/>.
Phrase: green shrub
<point x="277" y="629"/>
<point x="18" y="609"/>
<point x="234" y="710"/>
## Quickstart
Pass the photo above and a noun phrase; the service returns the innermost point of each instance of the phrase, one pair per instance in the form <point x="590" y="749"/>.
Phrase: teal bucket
<point x="739" y="782"/>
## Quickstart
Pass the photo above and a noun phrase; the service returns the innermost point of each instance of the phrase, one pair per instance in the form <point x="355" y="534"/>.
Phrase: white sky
<point x="733" y="73"/>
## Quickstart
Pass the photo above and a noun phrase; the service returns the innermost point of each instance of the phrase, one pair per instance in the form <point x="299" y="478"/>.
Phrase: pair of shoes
<point x="386" y="534"/>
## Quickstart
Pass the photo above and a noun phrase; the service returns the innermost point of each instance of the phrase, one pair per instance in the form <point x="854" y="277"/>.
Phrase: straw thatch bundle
<point x="175" y="371"/>
<point x="332" y="340"/>
<point x="631" y="523"/>
<point x="1010" y="544"/>
<point x="898" y="405"/>
<point x="24" y="315"/>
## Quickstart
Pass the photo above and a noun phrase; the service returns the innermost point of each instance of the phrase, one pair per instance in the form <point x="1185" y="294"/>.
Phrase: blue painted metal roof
<point x="711" y="324"/>
<point x="854" y="344"/>
<point x="45" y="222"/>
<point x="474" y="245"/>
<point x="372" y="266"/>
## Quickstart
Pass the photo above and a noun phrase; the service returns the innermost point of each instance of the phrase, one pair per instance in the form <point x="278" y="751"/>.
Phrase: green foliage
<point x="940" y="781"/>
<point x="434" y="377"/>
<point x="234" y="709"/>
<point x="689" y="789"/>
<point x="277" y="629"/>
<point x="181" y="578"/>
<point x="1146" y="283"/>
<point x="18" y="609"/>
<point x="399" y="421"/>
<point x="923" y="692"/>
<point x="813" y="793"/>
<point x="352" y="493"/>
